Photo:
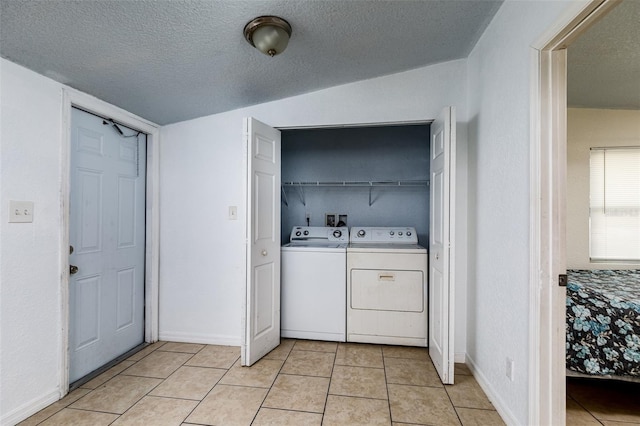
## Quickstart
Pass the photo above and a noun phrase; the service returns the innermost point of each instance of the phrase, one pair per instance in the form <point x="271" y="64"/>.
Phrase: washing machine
<point x="387" y="287"/>
<point x="313" y="284"/>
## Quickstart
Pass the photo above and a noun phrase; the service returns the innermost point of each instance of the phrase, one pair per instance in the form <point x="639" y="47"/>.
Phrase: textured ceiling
<point x="603" y="67"/>
<point x="169" y="61"/>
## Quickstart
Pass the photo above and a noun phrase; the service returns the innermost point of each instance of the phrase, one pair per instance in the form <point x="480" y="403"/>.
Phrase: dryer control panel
<point x="388" y="235"/>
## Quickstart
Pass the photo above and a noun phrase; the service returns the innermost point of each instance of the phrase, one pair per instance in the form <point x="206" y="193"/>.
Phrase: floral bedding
<point x="603" y="322"/>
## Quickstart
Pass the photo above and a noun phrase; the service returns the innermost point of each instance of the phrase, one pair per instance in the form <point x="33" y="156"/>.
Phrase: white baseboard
<point x="30" y="408"/>
<point x="460" y="357"/>
<point x="498" y="403"/>
<point x="207" y="339"/>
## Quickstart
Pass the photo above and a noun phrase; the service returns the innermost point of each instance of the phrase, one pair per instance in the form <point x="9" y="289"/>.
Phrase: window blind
<point x="615" y="204"/>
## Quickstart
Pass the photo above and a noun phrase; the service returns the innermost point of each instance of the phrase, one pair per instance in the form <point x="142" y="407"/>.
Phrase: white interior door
<point x="441" y="249"/>
<point x="107" y="233"/>
<point x="262" y="327"/>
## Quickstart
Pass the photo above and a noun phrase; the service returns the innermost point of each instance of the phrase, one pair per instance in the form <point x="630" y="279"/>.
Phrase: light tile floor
<point x="301" y="382"/>
<point x="602" y="402"/>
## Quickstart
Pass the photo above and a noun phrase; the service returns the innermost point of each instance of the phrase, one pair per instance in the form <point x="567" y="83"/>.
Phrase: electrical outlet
<point x="20" y="211"/>
<point x="509" y="368"/>
<point x="330" y="219"/>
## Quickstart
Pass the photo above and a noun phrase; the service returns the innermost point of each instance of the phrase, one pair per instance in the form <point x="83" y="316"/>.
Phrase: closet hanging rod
<point x="360" y="183"/>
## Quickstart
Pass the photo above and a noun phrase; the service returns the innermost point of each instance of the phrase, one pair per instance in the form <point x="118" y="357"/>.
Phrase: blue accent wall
<point x="388" y="153"/>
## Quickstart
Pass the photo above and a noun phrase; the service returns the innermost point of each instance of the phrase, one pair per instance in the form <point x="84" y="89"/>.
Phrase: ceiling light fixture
<point x="268" y="34"/>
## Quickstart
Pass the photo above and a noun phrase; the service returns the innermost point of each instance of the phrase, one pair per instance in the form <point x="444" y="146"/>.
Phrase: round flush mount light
<point x="268" y="34"/>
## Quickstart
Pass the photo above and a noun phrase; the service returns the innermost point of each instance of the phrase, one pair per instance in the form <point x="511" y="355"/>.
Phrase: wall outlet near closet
<point x="20" y="211"/>
<point x="509" y="368"/>
<point x="330" y="219"/>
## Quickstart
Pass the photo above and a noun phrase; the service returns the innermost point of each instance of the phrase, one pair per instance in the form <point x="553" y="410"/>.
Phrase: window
<point x="615" y="204"/>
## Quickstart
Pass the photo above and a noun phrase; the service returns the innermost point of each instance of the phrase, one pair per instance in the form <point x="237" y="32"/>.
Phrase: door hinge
<point x="562" y="280"/>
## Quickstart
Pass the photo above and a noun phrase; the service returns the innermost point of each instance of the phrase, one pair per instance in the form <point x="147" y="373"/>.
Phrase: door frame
<point x="73" y="98"/>
<point x="547" y="236"/>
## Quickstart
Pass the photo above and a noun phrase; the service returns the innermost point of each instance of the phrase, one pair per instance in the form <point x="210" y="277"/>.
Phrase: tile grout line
<point x="102" y="384"/>
<point x="83" y="396"/>
<point x="455" y="409"/>
<point x="333" y="367"/>
<point x="152" y="389"/>
<point x="68" y="406"/>
<point x="583" y="407"/>
<point x="214" y="385"/>
<point x="270" y="387"/>
<point x="386" y="383"/>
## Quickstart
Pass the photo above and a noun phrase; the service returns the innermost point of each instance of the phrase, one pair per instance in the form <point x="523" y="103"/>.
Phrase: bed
<point x="603" y="323"/>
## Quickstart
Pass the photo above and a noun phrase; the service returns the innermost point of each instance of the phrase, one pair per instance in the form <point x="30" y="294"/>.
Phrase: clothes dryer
<point x="387" y="287"/>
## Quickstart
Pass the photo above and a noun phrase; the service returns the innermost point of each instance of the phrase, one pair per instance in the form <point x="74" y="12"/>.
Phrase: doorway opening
<point x="149" y="235"/>
<point x="548" y="213"/>
<point x="261" y="315"/>
<point x="106" y="242"/>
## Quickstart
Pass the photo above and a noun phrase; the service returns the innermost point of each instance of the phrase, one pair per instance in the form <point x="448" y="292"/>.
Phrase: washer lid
<point x="315" y="247"/>
<point x="315" y="244"/>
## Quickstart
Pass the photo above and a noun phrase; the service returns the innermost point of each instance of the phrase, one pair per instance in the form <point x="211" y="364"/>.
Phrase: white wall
<point x="587" y="128"/>
<point x="33" y="142"/>
<point x="499" y="70"/>
<point x="30" y="132"/>
<point x="202" y="173"/>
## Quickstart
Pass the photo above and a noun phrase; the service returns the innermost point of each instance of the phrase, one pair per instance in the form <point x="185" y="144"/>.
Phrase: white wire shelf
<point x="350" y="184"/>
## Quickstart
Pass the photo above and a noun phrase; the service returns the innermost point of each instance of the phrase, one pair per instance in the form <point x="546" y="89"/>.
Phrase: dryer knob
<point x="298" y="233"/>
<point x="306" y="232"/>
<point x="361" y="233"/>
<point x="391" y="232"/>
<point x="408" y="233"/>
<point x="337" y="233"/>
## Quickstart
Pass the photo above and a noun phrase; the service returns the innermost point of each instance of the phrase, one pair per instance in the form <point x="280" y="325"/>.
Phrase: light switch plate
<point x="233" y="212"/>
<point x="20" y="211"/>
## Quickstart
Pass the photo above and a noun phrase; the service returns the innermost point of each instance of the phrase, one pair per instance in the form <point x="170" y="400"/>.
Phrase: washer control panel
<point x="391" y="235"/>
<point x="320" y="233"/>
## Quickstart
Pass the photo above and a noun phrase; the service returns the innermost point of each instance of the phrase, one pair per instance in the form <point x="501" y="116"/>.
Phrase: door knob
<point x="264" y="252"/>
<point x="73" y="269"/>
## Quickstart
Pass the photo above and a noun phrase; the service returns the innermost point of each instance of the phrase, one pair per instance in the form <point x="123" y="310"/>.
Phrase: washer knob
<point x="361" y="233"/>
<point x="408" y="233"/>
<point x="306" y="232"/>
<point x="391" y="232"/>
<point x="400" y="233"/>
<point x="337" y="233"/>
<point x="298" y="233"/>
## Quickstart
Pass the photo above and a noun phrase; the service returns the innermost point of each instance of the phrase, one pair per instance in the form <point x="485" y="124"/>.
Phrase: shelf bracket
<point x="284" y="197"/>
<point x="301" y="191"/>
<point x="370" y="189"/>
